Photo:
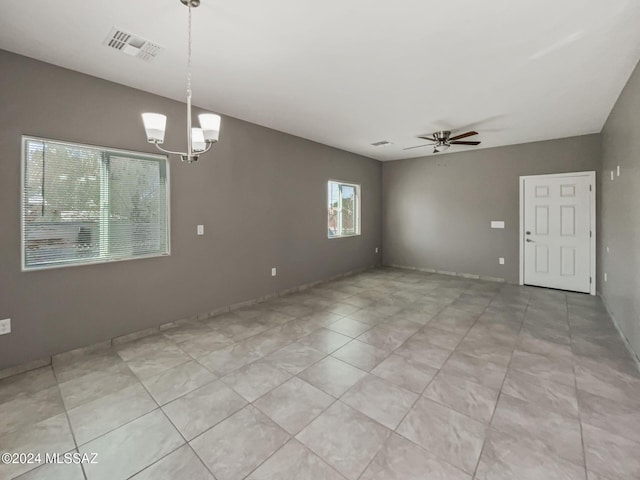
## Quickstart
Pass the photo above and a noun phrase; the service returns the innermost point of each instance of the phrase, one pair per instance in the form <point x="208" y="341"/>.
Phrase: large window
<point x="83" y="204"/>
<point x="343" y="209"/>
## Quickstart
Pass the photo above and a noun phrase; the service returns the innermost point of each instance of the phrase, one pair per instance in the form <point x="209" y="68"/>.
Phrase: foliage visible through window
<point x="343" y="209"/>
<point x="85" y="204"/>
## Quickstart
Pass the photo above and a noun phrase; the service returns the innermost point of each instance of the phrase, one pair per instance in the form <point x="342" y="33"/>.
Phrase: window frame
<point x="358" y="198"/>
<point x="110" y="152"/>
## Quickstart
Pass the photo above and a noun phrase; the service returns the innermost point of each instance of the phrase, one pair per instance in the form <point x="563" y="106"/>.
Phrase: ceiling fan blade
<point x="424" y="137"/>
<point x="418" y="146"/>
<point x="465" y="143"/>
<point x="463" y="135"/>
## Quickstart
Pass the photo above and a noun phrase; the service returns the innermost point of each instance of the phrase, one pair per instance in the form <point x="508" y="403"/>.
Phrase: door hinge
<point x="590" y="187"/>
<point x="590" y="280"/>
<point x="590" y="233"/>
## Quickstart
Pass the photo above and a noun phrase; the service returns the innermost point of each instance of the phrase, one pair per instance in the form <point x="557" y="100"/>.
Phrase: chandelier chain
<point x="189" y="54"/>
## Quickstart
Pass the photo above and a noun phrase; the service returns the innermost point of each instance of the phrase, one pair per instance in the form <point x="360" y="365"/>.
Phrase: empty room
<point x="341" y="240"/>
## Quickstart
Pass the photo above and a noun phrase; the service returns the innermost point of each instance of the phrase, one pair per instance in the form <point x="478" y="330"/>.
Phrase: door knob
<point x="528" y="232"/>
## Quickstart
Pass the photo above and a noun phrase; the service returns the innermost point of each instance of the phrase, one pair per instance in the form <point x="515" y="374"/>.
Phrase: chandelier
<point x="199" y="140"/>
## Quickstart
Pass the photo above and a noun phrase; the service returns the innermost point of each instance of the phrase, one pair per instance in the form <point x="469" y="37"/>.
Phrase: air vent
<point x="132" y="45"/>
<point x="382" y="143"/>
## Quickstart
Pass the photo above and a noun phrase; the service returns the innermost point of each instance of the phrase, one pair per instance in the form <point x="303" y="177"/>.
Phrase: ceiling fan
<point x="442" y="140"/>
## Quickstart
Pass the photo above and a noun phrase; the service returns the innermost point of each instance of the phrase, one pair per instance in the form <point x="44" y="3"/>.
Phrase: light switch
<point x="5" y="326"/>
<point x="605" y="277"/>
<point x="618" y="170"/>
<point x="497" y="224"/>
<point x="200" y="229"/>
<point x="611" y="175"/>
<point x="501" y="261"/>
<point x="273" y="272"/>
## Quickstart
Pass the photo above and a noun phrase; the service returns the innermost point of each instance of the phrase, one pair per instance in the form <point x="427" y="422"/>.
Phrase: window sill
<point x="343" y="236"/>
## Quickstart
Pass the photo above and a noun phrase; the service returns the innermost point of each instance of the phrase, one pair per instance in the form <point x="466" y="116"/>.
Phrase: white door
<point x="558" y="230"/>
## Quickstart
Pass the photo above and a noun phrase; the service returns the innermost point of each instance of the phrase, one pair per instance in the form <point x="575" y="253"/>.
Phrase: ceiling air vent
<point x="382" y="143"/>
<point x="132" y="45"/>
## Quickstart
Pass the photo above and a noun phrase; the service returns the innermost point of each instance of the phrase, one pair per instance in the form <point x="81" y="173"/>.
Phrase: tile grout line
<point x="121" y="425"/>
<point x="217" y="377"/>
<point x="501" y="394"/>
<point x="183" y="437"/>
<point x="338" y="399"/>
<point x="422" y="326"/>
<point x="394" y="431"/>
<point x="495" y="408"/>
<point x="293" y="436"/>
<point x="575" y="381"/>
<point x="154" y="462"/>
<point x="159" y="407"/>
<point x="388" y="319"/>
<point x="66" y="413"/>
<point x="463" y="377"/>
<point x="289" y="436"/>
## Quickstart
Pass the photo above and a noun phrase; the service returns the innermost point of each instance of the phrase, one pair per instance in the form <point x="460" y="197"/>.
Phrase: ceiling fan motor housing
<point x="442" y="140"/>
<point x="442" y="136"/>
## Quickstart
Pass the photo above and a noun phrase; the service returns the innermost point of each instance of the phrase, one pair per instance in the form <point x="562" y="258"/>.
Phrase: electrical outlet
<point x="611" y="175"/>
<point x="200" y="230"/>
<point x="605" y="277"/>
<point x="273" y="272"/>
<point x="607" y="249"/>
<point x="376" y="249"/>
<point x="618" y="170"/>
<point x="501" y="261"/>
<point x="5" y="326"/>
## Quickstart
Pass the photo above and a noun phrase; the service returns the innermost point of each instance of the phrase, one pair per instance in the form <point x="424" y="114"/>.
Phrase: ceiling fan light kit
<point x="199" y="140"/>
<point x="443" y="140"/>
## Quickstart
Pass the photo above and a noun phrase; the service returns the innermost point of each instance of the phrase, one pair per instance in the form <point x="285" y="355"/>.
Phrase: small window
<point x="84" y="204"/>
<point x="343" y="209"/>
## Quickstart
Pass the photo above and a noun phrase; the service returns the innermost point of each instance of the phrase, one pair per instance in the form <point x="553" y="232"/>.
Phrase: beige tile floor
<point x="386" y="375"/>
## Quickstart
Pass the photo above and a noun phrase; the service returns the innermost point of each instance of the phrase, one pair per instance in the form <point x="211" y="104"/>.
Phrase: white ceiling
<point x="348" y="73"/>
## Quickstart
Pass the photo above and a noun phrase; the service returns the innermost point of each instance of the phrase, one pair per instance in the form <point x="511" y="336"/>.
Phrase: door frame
<point x="592" y="179"/>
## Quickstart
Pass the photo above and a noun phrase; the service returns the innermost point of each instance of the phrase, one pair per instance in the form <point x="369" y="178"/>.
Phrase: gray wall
<point x="260" y="194"/>
<point x="621" y="212"/>
<point x="437" y="210"/>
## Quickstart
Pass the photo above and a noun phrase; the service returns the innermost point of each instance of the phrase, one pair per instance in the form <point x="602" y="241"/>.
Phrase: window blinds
<point x="84" y="204"/>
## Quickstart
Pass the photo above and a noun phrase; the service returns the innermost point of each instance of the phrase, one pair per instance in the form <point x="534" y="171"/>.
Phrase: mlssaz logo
<point x="71" y="457"/>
